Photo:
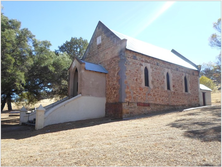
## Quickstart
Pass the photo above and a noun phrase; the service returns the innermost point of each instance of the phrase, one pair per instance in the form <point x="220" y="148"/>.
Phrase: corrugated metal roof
<point x="203" y="87"/>
<point x="94" y="67"/>
<point x="153" y="51"/>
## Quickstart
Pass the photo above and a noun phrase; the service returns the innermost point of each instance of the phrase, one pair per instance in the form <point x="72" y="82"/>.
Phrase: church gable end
<point x="103" y="45"/>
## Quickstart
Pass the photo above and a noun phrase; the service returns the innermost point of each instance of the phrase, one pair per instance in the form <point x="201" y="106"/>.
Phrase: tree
<point x="217" y="69"/>
<point x="74" y="48"/>
<point x="215" y="39"/>
<point x="15" y="59"/>
<point x="213" y="70"/>
<point x="30" y="70"/>
<point x="207" y="82"/>
<point x="47" y="76"/>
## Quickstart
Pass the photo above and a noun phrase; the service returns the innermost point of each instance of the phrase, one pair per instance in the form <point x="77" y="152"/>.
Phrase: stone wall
<point x="141" y="99"/>
<point x="93" y="84"/>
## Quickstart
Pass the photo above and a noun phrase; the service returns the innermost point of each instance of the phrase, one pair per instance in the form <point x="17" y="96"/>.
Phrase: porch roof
<point x="94" y="67"/>
<point x="203" y="87"/>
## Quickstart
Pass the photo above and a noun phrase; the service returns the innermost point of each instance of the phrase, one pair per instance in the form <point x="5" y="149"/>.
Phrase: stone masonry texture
<point x="156" y="97"/>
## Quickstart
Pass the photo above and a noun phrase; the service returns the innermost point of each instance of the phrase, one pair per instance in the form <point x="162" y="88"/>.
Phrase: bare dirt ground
<point x="187" y="138"/>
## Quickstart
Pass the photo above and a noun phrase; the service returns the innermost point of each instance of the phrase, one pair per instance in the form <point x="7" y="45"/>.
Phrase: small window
<point x="168" y="81"/>
<point x="185" y="84"/>
<point x="98" y="40"/>
<point x="146" y="73"/>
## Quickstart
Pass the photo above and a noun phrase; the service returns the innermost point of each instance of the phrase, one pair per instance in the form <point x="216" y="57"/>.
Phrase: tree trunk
<point x="9" y="103"/>
<point x="3" y="104"/>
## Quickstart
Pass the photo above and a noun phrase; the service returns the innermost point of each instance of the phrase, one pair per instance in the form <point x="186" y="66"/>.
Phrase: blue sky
<point x="181" y="25"/>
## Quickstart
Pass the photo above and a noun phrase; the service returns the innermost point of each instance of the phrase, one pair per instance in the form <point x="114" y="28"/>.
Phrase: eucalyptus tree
<point x="15" y="58"/>
<point x="74" y="48"/>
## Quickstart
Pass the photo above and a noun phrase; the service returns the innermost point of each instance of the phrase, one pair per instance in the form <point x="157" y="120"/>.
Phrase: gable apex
<point x="102" y="25"/>
<point x="101" y="30"/>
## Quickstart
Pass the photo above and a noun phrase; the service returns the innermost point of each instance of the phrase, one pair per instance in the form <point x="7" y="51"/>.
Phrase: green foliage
<point x="30" y="70"/>
<point x="15" y="58"/>
<point x="47" y="76"/>
<point x="207" y="82"/>
<point x="61" y="64"/>
<point x="215" y="39"/>
<point x="74" y="48"/>
<point x="212" y="70"/>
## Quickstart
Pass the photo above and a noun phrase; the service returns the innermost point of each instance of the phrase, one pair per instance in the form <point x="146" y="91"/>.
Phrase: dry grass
<point x="188" y="138"/>
<point x="216" y="98"/>
<point x="44" y="103"/>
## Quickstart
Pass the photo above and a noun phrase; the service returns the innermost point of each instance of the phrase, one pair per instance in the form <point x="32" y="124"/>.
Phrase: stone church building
<point x="133" y="77"/>
<point x="119" y="76"/>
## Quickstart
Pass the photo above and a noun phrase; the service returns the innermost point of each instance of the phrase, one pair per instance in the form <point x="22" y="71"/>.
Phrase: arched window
<point x="185" y="84"/>
<point x="146" y="74"/>
<point x="168" y="81"/>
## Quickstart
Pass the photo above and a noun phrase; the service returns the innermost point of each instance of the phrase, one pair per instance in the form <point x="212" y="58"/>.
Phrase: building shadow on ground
<point x="203" y="124"/>
<point x="16" y="131"/>
<point x="10" y="128"/>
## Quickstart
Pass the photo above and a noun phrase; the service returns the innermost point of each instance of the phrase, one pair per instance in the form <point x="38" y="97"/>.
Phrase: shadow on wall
<point x="203" y="124"/>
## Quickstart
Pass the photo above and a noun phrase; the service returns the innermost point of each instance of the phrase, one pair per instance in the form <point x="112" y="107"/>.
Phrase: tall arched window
<point x="185" y="84"/>
<point x="168" y="81"/>
<point x="146" y="74"/>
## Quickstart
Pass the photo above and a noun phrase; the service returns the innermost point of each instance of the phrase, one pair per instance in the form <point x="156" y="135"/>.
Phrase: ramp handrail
<point x="55" y="103"/>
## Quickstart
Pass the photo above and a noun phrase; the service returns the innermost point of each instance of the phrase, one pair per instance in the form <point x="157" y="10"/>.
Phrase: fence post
<point x="40" y="114"/>
<point x="22" y="115"/>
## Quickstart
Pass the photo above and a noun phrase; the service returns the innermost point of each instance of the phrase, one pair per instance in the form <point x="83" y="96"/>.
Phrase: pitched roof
<point x="203" y="87"/>
<point x="155" y="51"/>
<point x="90" y="66"/>
<point x="94" y="67"/>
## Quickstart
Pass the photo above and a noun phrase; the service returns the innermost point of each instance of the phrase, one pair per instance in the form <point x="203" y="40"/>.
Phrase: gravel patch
<point x="188" y="138"/>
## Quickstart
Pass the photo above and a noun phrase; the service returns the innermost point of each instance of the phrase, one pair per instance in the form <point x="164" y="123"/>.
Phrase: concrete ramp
<point x="74" y="109"/>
